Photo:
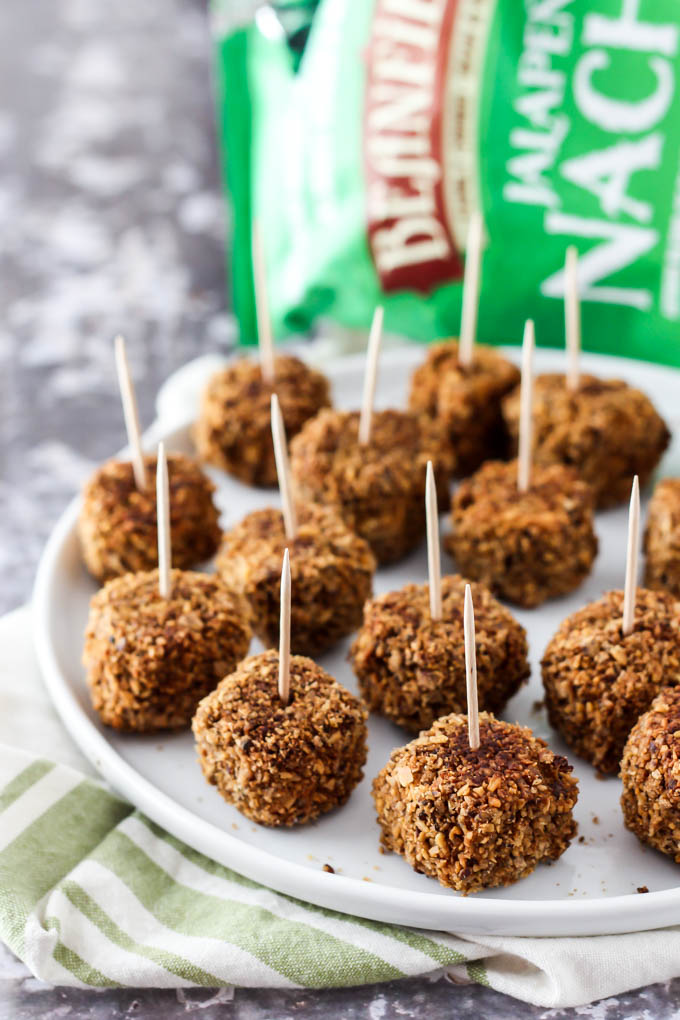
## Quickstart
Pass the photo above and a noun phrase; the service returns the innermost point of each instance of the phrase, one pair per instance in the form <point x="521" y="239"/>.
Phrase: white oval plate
<point x="590" y="890"/>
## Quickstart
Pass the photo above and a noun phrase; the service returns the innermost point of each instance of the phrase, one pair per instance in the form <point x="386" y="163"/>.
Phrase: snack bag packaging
<point x="361" y="134"/>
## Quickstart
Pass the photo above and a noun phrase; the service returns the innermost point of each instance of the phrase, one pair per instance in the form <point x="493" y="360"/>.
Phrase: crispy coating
<point x="412" y="668"/>
<point x="662" y="537"/>
<point x="467" y="400"/>
<point x="605" y="429"/>
<point x="233" y="430"/>
<point x="331" y="574"/>
<point x="281" y="764"/>
<point x="476" y="819"/>
<point x="117" y="523"/>
<point x="150" y="660"/>
<point x="650" y="770"/>
<point x="525" y="546"/>
<point x="379" y="489"/>
<point x="598" y="681"/>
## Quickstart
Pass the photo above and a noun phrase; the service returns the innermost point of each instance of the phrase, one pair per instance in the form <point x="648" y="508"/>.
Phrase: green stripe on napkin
<point x="92" y="893"/>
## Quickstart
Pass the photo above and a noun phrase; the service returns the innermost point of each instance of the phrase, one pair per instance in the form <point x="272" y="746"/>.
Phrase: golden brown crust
<point x="331" y="573"/>
<point x="476" y="819"/>
<point x="378" y="489"/>
<point x="605" y="429"/>
<point x="662" y="537"/>
<point x="150" y="660"/>
<point x="281" y="764"/>
<point x="650" y="770"/>
<point x="598" y="682"/>
<point x="233" y="430"/>
<point x="525" y="546"/>
<point x="467" y="400"/>
<point x="412" y="669"/>
<point x="117" y="523"/>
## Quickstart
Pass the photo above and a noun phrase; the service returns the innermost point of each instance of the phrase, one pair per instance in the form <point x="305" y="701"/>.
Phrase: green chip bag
<point x="361" y="134"/>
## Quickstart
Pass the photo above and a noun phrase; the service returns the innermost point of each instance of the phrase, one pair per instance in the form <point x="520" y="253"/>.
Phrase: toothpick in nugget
<point x="410" y="669"/>
<point x="526" y="790"/>
<point x="593" y="707"/>
<point x="301" y="758"/>
<point x="163" y="513"/>
<point x="284" y="632"/>
<point x="283" y="469"/>
<point x="471" y="277"/>
<point x="433" y="551"/>
<point x="572" y="317"/>
<point x="264" y="325"/>
<point x="526" y="409"/>
<point x="371" y="374"/>
<point x="632" y="554"/>
<point x="130" y="413"/>
<point x="118" y="519"/>
<point x="471" y="669"/>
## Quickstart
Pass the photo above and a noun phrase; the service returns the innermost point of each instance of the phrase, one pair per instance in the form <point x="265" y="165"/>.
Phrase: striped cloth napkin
<point x="93" y="894"/>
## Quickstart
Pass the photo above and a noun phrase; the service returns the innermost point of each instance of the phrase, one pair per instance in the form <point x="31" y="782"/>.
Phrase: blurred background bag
<point x="361" y="133"/>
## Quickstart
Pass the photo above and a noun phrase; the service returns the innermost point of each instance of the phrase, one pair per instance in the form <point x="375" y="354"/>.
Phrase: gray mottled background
<point x="111" y="220"/>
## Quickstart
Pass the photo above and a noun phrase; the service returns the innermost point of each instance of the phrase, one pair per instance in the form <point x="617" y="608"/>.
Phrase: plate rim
<point x="431" y="911"/>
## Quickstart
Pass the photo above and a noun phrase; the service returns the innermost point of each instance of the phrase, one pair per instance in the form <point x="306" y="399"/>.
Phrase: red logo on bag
<point x="410" y="241"/>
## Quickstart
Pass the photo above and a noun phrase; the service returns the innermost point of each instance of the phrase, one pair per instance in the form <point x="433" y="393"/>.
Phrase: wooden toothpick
<point x="632" y="554"/>
<point x="163" y="513"/>
<point x="526" y="409"/>
<point x="471" y="669"/>
<point x="370" y="376"/>
<point x="572" y="317"/>
<point x="433" y="552"/>
<point x="130" y="413"/>
<point x="284" y="632"/>
<point x="290" y="522"/>
<point x="264" y="324"/>
<point x="471" y="276"/>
